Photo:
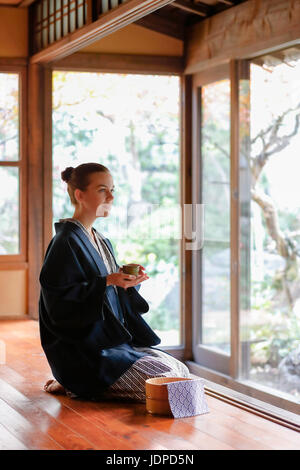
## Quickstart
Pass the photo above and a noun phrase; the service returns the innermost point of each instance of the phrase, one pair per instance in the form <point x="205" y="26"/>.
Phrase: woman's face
<point x="98" y="197"/>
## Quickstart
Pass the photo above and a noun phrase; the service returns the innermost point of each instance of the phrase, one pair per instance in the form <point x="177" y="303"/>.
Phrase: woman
<point x="91" y="326"/>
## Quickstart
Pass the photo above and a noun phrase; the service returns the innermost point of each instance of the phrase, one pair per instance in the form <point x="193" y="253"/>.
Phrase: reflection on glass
<point x="215" y="160"/>
<point x="129" y="123"/>
<point x="270" y="295"/>
<point x="9" y="117"/>
<point x="9" y="211"/>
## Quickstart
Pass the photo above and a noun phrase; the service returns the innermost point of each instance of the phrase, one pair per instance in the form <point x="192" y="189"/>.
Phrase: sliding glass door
<point x="270" y="224"/>
<point x="130" y="123"/>
<point x="246" y="294"/>
<point x="211" y="264"/>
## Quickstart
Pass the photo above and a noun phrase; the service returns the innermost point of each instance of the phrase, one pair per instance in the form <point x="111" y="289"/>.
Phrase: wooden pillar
<point x="47" y="157"/>
<point x="234" y="217"/>
<point x="35" y="184"/>
<point x="186" y="198"/>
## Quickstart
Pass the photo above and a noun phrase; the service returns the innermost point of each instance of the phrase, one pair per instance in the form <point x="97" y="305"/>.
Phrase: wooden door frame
<point x="234" y="220"/>
<point x="130" y="64"/>
<point x="39" y="145"/>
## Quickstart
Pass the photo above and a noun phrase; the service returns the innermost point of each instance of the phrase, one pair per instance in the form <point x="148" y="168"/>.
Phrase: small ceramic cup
<point x="131" y="269"/>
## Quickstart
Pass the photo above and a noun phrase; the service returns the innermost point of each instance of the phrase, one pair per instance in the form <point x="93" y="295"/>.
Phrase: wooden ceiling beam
<point x="121" y="63"/>
<point x="190" y="7"/>
<point x="162" y="25"/>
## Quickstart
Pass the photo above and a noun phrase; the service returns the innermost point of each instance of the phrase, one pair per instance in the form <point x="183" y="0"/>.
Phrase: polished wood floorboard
<point x="33" y="419"/>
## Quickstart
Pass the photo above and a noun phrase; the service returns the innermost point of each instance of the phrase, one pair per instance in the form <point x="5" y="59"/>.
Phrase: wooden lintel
<point x="13" y="62"/>
<point x="25" y="3"/>
<point x="121" y="63"/>
<point x="214" y="41"/>
<point x="190" y="7"/>
<point x="162" y="25"/>
<point x="107" y="23"/>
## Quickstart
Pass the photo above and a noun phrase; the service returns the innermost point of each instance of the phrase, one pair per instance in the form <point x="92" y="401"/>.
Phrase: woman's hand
<point x="126" y="280"/>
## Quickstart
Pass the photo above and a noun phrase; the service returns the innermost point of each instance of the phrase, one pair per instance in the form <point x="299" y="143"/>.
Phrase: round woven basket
<point x="157" y="394"/>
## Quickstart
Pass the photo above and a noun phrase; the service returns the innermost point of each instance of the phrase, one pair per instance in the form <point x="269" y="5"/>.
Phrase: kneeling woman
<point x="92" y="331"/>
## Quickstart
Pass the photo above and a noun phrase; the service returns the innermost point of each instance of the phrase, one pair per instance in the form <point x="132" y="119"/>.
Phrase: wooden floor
<point x="33" y="419"/>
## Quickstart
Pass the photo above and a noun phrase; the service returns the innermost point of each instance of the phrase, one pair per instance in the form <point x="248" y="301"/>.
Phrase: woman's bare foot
<point x="52" y="386"/>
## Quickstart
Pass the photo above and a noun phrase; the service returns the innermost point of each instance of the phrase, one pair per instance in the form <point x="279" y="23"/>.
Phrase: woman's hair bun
<point x="66" y="174"/>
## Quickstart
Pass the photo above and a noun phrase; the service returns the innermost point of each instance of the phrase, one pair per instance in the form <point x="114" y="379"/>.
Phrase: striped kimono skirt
<point x="131" y="385"/>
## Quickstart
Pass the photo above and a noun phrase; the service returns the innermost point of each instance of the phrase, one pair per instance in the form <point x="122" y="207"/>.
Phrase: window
<point x="12" y="167"/>
<point x="247" y="326"/>
<point x="129" y="123"/>
<point x="212" y="306"/>
<point x="270" y="213"/>
<point x="215" y="154"/>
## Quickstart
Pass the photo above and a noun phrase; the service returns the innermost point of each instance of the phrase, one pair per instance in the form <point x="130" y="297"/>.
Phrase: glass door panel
<point x="212" y="345"/>
<point x="215" y="156"/>
<point x="129" y="123"/>
<point x="270" y="224"/>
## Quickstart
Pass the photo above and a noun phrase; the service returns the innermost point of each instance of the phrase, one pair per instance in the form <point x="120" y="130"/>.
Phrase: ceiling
<point x="171" y="19"/>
